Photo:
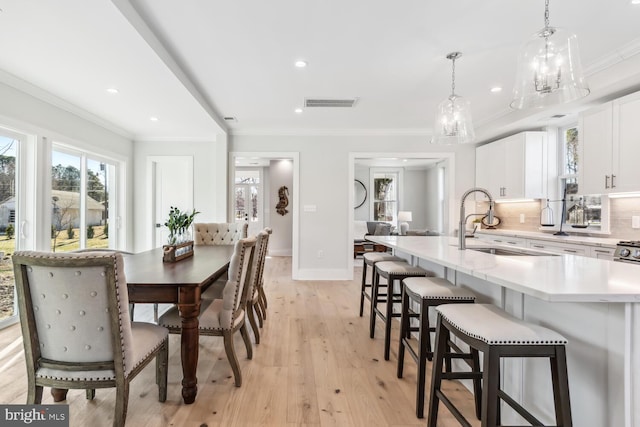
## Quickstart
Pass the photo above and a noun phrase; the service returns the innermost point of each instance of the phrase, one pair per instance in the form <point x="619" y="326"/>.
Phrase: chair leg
<point x="34" y="395"/>
<point x="389" y="314"/>
<point x="423" y="353"/>
<point x="263" y="297"/>
<point x="363" y="286"/>
<point x="162" y="367"/>
<point x="122" y="401"/>
<point x="560" y="381"/>
<point x="155" y="313"/>
<point x="404" y="332"/>
<point x="91" y="393"/>
<point x="231" y="356"/>
<point x="262" y="302"/>
<point x="442" y="336"/>
<point x="260" y="311"/>
<point x="374" y="304"/>
<point x="491" y="383"/>
<point x="251" y="309"/>
<point x="477" y="382"/>
<point x="132" y="310"/>
<point x="247" y="340"/>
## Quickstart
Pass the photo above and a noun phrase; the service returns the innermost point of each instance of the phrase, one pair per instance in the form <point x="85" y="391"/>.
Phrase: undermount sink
<point x="510" y="252"/>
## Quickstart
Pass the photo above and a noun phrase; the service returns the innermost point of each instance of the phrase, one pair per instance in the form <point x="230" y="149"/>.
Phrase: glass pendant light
<point x="453" y="117"/>
<point x="549" y="70"/>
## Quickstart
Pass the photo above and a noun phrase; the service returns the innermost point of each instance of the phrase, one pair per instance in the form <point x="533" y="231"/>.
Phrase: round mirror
<point x="359" y="193"/>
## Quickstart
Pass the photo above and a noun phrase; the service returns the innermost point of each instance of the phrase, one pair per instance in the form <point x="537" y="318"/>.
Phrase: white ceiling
<point x="190" y="62"/>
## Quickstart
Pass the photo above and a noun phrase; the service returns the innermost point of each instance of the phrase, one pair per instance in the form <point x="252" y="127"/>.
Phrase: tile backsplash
<point x="620" y="213"/>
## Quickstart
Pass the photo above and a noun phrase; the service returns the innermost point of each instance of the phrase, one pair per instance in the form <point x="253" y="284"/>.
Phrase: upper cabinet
<point x="514" y="167"/>
<point x="610" y="147"/>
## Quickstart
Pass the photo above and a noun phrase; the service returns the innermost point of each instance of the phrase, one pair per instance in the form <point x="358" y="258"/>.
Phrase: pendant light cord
<point x="546" y="14"/>
<point x="453" y="77"/>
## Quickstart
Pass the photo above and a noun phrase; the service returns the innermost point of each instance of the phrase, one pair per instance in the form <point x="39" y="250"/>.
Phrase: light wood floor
<point x="315" y="366"/>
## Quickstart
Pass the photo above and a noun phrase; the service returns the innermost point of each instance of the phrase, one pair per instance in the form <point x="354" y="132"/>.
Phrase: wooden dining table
<point x="152" y="281"/>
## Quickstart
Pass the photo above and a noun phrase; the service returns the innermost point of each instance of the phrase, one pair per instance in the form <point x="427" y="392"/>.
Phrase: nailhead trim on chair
<point x="436" y="288"/>
<point x="477" y="317"/>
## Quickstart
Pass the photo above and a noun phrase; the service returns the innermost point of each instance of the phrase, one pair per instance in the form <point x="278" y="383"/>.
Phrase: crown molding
<point x="175" y="139"/>
<point x="331" y="132"/>
<point x="45" y="96"/>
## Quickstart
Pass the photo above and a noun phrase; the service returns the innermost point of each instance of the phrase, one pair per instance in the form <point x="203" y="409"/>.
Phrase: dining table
<point x="150" y="280"/>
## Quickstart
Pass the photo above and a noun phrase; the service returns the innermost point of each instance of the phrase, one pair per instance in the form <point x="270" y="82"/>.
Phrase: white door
<point x="248" y="199"/>
<point x="172" y="180"/>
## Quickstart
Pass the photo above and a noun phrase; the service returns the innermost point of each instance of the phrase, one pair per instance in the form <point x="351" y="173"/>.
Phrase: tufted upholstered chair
<point x="224" y="317"/>
<point x="220" y="233"/>
<point x="76" y="328"/>
<point x="257" y="268"/>
<point x="262" y="297"/>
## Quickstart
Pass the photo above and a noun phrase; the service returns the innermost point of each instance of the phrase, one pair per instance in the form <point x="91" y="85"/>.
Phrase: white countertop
<point x="561" y="278"/>
<point x="538" y="235"/>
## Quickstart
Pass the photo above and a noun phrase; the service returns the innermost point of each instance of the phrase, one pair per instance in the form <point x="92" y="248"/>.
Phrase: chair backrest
<point x="221" y="233"/>
<point x="378" y="228"/>
<point x="74" y="311"/>
<point x="257" y="265"/>
<point x="233" y="301"/>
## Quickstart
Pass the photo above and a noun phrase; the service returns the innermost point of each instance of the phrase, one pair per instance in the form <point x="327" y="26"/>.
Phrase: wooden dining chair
<point x="220" y="233"/>
<point x="226" y="316"/>
<point x="253" y="298"/>
<point x="76" y="329"/>
<point x="262" y="296"/>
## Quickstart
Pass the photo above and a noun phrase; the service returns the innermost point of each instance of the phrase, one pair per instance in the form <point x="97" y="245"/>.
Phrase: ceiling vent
<point x="329" y="103"/>
<point x="230" y="119"/>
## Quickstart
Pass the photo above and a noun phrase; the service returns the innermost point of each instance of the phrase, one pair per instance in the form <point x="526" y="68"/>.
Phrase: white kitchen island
<point x="594" y="303"/>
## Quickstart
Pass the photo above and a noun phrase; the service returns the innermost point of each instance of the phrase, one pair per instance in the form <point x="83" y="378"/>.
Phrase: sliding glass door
<point x="82" y="207"/>
<point x="9" y="224"/>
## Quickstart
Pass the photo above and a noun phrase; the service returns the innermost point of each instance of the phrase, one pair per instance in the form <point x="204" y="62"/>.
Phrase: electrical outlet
<point x="635" y="221"/>
<point x="521" y="218"/>
<point x="320" y="253"/>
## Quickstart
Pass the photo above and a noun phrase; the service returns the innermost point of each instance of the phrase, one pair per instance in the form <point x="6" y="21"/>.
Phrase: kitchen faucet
<point x="463" y="218"/>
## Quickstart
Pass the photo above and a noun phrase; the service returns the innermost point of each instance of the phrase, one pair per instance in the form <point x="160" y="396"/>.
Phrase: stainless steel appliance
<point x="628" y="251"/>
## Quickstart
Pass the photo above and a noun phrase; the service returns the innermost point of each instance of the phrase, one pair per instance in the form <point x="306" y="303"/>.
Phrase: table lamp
<point x="404" y="217"/>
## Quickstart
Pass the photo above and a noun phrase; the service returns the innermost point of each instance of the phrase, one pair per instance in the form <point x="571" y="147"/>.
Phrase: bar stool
<point x="497" y="334"/>
<point x="392" y="271"/>
<point x="427" y="292"/>
<point x="370" y="259"/>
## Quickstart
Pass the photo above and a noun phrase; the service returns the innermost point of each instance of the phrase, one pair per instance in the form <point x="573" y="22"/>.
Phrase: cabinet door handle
<point x="538" y="246"/>
<point x="512" y="243"/>
<point x="570" y="251"/>
<point x="497" y="241"/>
<point x="613" y="183"/>
<point x="600" y="251"/>
<point x="606" y="181"/>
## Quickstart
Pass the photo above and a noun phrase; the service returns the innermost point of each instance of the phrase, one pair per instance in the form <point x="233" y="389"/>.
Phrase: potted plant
<point x="179" y="225"/>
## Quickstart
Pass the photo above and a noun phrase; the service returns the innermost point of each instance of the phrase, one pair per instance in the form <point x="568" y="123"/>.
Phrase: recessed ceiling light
<point x="405" y="160"/>
<point x="298" y="110"/>
<point x="496" y="89"/>
<point x="301" y="64"/>
<point x="635" y="1"/>
<point x="153" y="118"/>
<point x="112" y="90"/>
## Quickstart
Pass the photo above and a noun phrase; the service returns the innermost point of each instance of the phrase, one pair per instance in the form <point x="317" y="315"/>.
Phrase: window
<point x="9" y="147"/>
<point x="385" y="196"/>
<point x="583" y="211"/>
<point x="81" y="201"/>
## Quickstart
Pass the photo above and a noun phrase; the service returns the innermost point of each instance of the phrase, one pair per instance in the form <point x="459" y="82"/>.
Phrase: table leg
<point x="59" y="394"/>
<point x="189" y="308"/>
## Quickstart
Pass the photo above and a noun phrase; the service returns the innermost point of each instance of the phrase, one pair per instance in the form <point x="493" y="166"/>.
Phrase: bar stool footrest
<point x="519" y="409"/>
<point x="454" y="411"/>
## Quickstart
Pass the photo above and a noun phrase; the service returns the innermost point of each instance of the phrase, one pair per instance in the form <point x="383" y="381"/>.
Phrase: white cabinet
<point x="503" y="240"/>
<point x="610" y="148"/>
<point x="513" y="167"/>
<point x="559" y="248"/>
<point x="602" y="253"/>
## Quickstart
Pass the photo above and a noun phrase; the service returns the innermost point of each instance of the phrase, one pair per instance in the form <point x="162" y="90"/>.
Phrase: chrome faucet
<point x="463" y="218"/>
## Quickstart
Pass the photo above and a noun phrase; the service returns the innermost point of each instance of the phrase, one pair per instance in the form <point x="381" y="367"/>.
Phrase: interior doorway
<point x="423" y="187"/>
<point x="259" y="179"/>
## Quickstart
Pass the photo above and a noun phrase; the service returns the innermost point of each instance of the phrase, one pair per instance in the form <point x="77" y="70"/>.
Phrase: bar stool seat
<point x="426" y="292"/>
<point x="497" y="334"/>
<point x="370" y="259"/>
<point x="392" y="271"/>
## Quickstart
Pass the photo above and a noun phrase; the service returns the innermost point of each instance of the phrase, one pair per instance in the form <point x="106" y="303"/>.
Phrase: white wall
<point x="415" y="197"/>
<point x="280" y="242"/>
<point x="431" y="213"/>
<point x="210" y="182"/>
<point x="44" y="123"/>
<point x="324" y="183"/>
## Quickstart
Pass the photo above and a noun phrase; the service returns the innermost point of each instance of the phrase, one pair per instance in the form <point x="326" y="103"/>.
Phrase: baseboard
<point x="323" y="274"/>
